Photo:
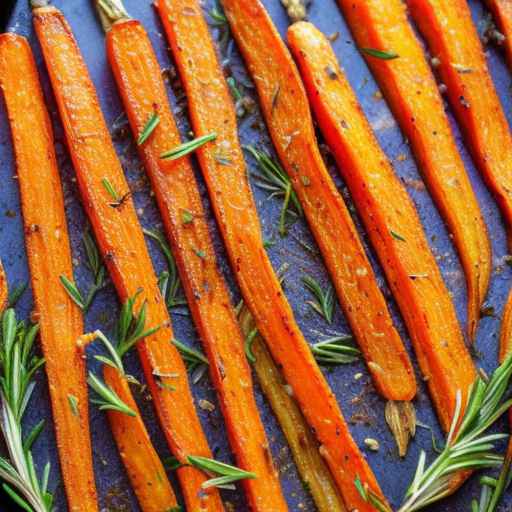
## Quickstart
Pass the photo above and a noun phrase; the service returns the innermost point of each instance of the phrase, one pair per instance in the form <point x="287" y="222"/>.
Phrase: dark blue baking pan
<point x="366" y="415"/>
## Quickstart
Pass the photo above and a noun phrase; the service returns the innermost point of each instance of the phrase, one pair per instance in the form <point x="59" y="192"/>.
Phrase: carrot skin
<point x="211" y="110"/>
<point x="142" y="463"/>
<point x="502" y="13"/>
<point x="386" y="211"/>
<point x="470" y="90"/>
<point x="49" y="256"/>
<point x="411" y="91"/>
<point x="273" y="69"/>
<point x="142" y="89"/>
<point x="123" y="247"/>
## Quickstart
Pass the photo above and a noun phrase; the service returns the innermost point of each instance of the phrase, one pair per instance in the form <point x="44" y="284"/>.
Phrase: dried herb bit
<point x="97" y="269"/>
<point x="73" y="404"/>
<point x="324" y="300"/>
<point x="151" y="124"/>
<point x="370" y="497"/>
<point x="17" y="369"/>
<point x="107" y="399"/>
<point x="334" y="351"/>
<point x="397" y="236"/>
<point x="272" y="178"/>
<point x="492" y="488"/>
<point x="401" y="420"/>
<point x="331" y="72"/>
<point x="199" y="253"/>
<point x="296" y="9"/>
<point x="195" y="361"/>
<point x="380" y="54"/>
<point x="168" y="280"/>
<point x="275" y="97"/>
<point x="187" y="147"/>
<point x="468" y="445"/>
<point x="187" y="217"/>
<point x="222" y="159"/>
<point x="227" y="474"/>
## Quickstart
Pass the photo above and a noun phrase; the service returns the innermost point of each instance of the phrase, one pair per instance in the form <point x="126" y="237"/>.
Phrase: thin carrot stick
<point x="502" y="12"/>
<point x="391" y="220"/>
<point x="49" y="256"/>
<point x="452" y="38"/>
<point x="107" y="201"/>
<point x="142" y="89"/>
<point x="410" y="89"/>
<point x="223" y="166"/>
<point x="290" y="124"/>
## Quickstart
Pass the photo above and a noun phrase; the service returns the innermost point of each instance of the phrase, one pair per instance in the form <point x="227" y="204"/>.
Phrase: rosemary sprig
<point x="130" y="328"/>
<point x="18" y="366"/>
<point x="468" y="445"/>
<point x="227" y="473"/>
<point x="493" y="489"/>
<point x="333" y="351"/>
<point x="272" y="178"/>
<point x="324" y="300"/>
<point x="195" y="360"/>
<point x="97" y="269"/>
<point x="151" y="124"/>
<point x="168" y="281"/>
<point x="187" y="147"/>
<point x="380" y="54"/>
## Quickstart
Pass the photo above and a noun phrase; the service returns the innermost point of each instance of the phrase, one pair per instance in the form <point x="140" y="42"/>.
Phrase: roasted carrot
<point x="410" y="89"/>
<point x="304" y="447"/>
<point x="141" y="461"/>
<point x="286" y="110"/>
<point x="502" y="13"/>
<point x="110" y="209"/>
<point x="390" y="219"/>
<point x="4" y="289"/>
<point x="142" y="89"/>
<point x="49" y="256"/>
<point x="223" y="167"/>
<point x="448" y="29"/>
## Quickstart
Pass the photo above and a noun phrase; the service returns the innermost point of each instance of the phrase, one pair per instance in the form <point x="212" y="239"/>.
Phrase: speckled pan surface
<point x="359" y="402"/>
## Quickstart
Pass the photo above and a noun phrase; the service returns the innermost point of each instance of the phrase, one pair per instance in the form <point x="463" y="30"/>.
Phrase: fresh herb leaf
<point x="324" y="303"/>
<point x="151" y="124"/>
<point x="334" y="351"/>
<point x="227" y="473"/>
<point x="168" y="281"/>
<point x="380" y="54"/>
<point x="187" y="217"/>
<point x="108" y="398"/>
<point x="187" y="147"/>
<point x="468" y="445"/>
<point x="272" y="178"/>
<point x="18" y="365"/>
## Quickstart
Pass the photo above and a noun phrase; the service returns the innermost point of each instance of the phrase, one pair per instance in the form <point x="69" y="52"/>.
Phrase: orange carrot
<point x="390" y="219"/>
<point x="107" y="201"/>
<point x="142" y="89"/>
<point x="289" y="121"/>
<point x="449" y="32"/>
<point x="412" y="93"/>
<point x="223" y="166"/>
<point x="502" y="12"/>
<point x="143" y="465"/>
<point x="49" y="256"/>
<point x="4" y="289"/>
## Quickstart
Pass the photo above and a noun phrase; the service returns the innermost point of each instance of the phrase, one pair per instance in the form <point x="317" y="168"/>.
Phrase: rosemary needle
<point x="187" y="147"/>
<point x="380" y="54"/>
<point x="151" y="124"/>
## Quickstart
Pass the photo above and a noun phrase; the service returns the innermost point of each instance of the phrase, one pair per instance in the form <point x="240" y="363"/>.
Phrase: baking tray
<point x="360" y="403"/>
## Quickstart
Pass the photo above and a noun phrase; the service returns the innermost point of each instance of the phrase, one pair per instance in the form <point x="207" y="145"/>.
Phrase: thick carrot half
<point x="286" y="109"/>
<point x="142" y="89"/>
<point x="410" y="89"/>
<point x="502" y="13"/>
<point x="223" y="167"/>
<point x="107" y="201"/>
<point x="49" y="256"/>
<point x="451" y="37"/>
<point x="143" y="465"/>
<point x="390" y="219"/>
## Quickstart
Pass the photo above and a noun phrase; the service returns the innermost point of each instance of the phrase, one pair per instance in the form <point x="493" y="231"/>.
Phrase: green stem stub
<point x="110" y="12"/>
